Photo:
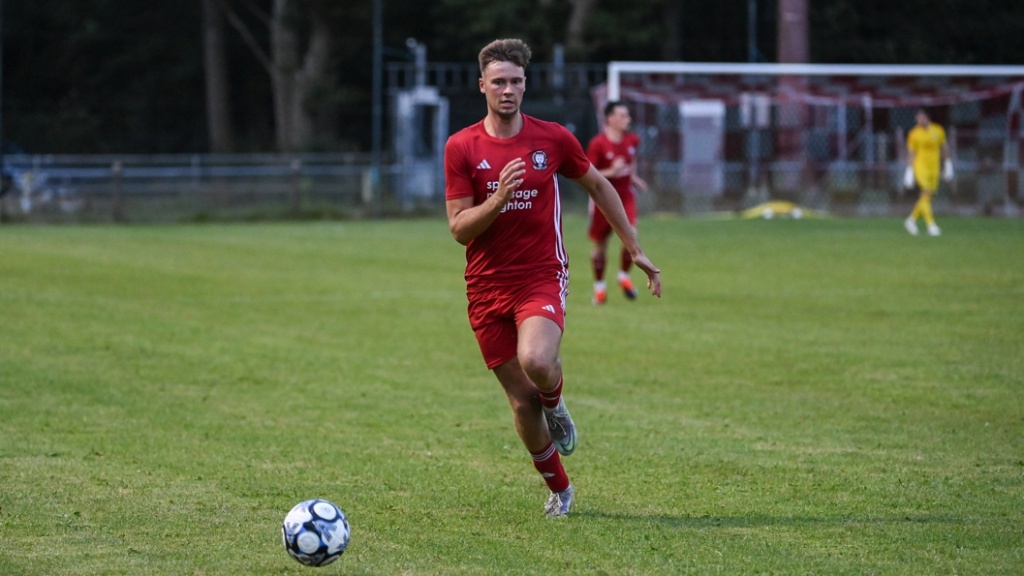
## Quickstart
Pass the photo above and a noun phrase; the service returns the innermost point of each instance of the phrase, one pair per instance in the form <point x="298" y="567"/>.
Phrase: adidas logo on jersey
<point x="549" y="308"/>
<point x="483" y="166"/>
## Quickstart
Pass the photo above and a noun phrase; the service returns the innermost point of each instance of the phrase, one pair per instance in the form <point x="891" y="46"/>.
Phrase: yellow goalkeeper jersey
<point x="926" y="144"/>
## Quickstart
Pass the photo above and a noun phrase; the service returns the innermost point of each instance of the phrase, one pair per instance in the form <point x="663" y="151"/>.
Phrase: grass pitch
<point x="809" y="397"/>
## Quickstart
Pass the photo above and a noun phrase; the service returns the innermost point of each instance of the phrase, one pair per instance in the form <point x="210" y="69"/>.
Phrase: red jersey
<point x="602" y="152"/>
<point x="526" y="238"/>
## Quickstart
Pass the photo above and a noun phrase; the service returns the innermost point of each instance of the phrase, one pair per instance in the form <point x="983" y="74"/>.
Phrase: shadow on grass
<point x="698" y="522"/>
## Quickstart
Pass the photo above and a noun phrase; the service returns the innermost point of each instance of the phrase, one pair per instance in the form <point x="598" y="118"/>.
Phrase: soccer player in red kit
<point x="503" y="205"/>
<point x="613" y="153"/>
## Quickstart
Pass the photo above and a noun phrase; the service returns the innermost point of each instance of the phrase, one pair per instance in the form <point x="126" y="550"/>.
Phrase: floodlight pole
<point x="1" y="83"/>
<point x="3" y="171"/>
<point x="752" y="30"/>
<point x="793" y="44"/>
<point x="378" y="96"/>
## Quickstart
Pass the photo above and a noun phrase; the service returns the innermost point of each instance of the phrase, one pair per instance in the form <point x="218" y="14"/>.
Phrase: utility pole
<point x="752" y="31"/>
<point x="793" y="42"/>
<point x="378" y="97"/>
<point x="791" y="121"/>
<point x="1" y="84"/>
<point x="3" y="170"/>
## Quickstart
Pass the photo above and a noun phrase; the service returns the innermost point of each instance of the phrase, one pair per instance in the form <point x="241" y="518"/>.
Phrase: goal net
<point x="726" y="137"/>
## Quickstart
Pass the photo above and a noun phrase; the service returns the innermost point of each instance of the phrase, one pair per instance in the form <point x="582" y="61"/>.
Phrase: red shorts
<point x="599" y="229"/>
<point x="495" y="314"/>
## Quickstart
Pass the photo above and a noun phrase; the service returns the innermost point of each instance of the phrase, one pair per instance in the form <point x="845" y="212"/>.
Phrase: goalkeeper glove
<point x="947" y="170"/>
<point x="908" y="178"/>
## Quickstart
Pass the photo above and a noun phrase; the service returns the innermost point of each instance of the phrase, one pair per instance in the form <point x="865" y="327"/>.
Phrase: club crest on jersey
<point x="540" y="160"/>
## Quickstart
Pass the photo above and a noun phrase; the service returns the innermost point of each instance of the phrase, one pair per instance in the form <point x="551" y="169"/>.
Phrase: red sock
<point x="626" y="261"/>
<point x="549" y="399"/>
<point x="549" y="464"/>
<point x="598" y="263"/>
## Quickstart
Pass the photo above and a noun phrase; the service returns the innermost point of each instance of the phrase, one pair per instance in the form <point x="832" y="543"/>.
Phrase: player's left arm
<point x="908" y="174"/>
<point x="635" y="178"/>
<point x="607" y="200"/>
<point x="639" y="182"/>
<point x="947" y="162"/>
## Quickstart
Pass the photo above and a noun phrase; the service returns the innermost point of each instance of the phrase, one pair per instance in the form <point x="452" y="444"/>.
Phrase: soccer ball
<point x="315" y="532"/>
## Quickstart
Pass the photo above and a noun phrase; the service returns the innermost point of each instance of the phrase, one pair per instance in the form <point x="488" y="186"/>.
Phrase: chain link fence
<point x="191" y="188"/>
<point x="707" y="146"/>
<point x="715" y="142"/>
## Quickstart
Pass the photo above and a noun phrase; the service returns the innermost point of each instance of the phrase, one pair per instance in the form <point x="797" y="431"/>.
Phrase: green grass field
<point x="809" y="397"/>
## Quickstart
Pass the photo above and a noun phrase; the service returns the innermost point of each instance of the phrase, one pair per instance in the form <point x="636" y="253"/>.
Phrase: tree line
<point x="103" y="76"/>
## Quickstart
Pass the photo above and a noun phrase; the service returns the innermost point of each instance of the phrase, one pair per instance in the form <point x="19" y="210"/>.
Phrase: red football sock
<point x="549" y="399"/>
<point x="626" y="261"/>
<point x="549" y="464"/>
<point x="598" y="262"/>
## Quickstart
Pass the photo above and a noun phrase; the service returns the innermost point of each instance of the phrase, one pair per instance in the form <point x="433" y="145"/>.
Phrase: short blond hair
<point x="511" y="50"/>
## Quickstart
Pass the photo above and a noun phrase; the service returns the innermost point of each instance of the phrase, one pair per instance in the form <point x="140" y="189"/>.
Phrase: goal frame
<point x="878" y="177"/>
<point x="618" y="67"/>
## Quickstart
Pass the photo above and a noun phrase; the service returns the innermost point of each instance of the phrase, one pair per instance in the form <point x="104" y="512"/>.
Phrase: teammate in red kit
<point x="613" y="153"/>
<point x="503" y="204"/>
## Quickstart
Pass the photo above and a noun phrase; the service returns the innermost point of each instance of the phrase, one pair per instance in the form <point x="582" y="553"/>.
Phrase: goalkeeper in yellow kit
<point x="927" y="156"/>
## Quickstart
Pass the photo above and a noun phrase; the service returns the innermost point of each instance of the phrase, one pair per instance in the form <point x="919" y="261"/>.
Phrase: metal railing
<point x="189" y="188"/>
<point x="168" y="188"/>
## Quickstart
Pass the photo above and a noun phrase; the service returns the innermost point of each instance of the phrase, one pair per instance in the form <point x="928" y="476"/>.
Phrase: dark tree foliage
<point x="102" y="75"/>
<point x="703" y="31"/>
<point x="96" y="76"/>
<point x="918" y="32"/>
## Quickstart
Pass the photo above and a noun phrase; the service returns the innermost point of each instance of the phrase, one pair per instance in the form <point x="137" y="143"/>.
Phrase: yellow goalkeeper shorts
<point x="927" y="180"/>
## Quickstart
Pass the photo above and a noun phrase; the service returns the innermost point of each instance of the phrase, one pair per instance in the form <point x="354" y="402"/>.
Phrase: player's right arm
<point x="617" y="169"/>
<point x="607" y="200"/>
<point x="908" y="174"/>
<point x="595" y="153"/>
<point x="911" y="148"/>
<point x="467" y="220"/>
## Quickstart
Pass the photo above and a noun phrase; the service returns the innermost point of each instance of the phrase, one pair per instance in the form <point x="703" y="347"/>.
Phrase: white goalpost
<point x="725" y="136"/>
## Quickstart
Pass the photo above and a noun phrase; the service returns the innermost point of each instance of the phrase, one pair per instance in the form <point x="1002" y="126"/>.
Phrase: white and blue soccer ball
<point x="315" y="532"/>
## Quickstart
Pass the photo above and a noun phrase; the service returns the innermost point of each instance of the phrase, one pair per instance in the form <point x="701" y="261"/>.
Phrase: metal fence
<point x="839" y="159"/>
<point x="721" y="137"/>
<point x="190" y="188"/>
<point x="847" y="168"/>
<point x="180" y="188"/>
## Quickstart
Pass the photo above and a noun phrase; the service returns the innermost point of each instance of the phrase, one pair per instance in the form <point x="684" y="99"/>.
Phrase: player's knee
<point x="539" y="365"/>
<point x="533" y="364"/>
